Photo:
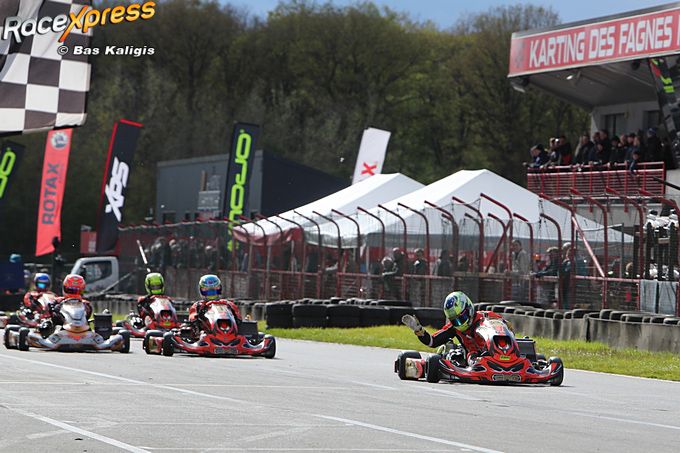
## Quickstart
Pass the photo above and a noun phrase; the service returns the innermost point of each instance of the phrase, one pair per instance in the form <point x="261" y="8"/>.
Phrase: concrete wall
<point x="634" y="115"/>
<point x="617" y="334"/>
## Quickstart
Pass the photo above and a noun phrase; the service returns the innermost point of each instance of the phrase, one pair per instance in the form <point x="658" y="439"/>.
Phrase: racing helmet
<point x="42" y="282"/>
<point x="154" y="284"/>
<point x="15" y="258"/>
<point x="74" y="285"/>
<point x="459" y="310"/>
<point x="210" y="287"/>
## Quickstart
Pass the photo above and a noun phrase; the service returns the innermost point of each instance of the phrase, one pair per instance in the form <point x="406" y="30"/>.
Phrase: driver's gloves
<point x="413" y="324"/>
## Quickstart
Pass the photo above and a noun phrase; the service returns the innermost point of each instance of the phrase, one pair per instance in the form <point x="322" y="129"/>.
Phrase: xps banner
<point x="55" y="164"/>
<point x="10" y="156"/>
<point x="116" y="173"/>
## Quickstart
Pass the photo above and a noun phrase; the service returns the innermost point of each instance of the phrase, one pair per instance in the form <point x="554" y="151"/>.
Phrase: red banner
<point x="628" y="38"/>
<point x="55" y="165"/>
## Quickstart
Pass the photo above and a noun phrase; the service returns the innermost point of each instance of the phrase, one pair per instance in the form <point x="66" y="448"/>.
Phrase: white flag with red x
<point x="371" y="154"/>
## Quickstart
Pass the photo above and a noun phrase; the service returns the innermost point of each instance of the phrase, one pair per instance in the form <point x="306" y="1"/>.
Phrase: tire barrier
<point x="278" y="315"/>
<point x="433" y="317"/>
<point x="309" y="315"/>
<point x="374" y="316"/>
<point x="344" y="315"/>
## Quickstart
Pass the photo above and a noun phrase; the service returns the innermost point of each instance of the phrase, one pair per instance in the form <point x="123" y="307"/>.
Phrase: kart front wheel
<point x="271" y="352"/>
<point x="432" y="373"/>
<point x="23" y="339"/>
<point x="126" y="341"/>
<point x="148" y="339"/>
<point x="167" y="347"/>
<point x="400" y="364"/>
<point x="557" y="380"/>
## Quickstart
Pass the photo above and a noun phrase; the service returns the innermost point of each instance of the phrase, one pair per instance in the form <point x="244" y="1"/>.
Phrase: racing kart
<point x="216" y="333"/>
<point x="506" y="359"/>
<point x="30" y="318"/>
<point x="164" y="319"/>
<point x="74" y="333"/>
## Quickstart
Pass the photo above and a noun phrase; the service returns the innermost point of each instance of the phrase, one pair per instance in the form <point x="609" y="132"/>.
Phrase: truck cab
<point x="99" y="272"/>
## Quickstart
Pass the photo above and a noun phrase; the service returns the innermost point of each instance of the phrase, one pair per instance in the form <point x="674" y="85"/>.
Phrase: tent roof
<point x="366" y="194"/>
<point x="467" y="185"/>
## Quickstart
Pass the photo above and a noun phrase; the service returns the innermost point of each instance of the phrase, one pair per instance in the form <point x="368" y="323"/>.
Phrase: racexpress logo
<point x="84" y="20"/>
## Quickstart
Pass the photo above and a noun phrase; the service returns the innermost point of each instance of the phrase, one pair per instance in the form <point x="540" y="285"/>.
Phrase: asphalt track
<point x="314" y="397"/>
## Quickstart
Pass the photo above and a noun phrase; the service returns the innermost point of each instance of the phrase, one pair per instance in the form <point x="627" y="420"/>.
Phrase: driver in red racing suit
<point x="210" y="289"/>
<point x="42" y="283"/>
<point x="462" y="324"/>
<point x="72" y="288"/>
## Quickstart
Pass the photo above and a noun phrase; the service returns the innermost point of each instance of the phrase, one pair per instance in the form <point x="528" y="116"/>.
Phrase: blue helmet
<point x="42" y="281"/>
<point x="210" y="287"/>
<point x="15" y="258"/>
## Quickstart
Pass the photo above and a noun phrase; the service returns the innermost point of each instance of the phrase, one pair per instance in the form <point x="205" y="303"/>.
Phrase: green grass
<point x="576" y="354"/>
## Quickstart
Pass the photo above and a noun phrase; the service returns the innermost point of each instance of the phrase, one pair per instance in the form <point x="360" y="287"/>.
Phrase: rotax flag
<point x="57" y="149"/>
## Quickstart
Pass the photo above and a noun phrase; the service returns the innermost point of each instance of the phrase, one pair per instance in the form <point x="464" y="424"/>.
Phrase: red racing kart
<point x="164" y="319"/>
<point x="26" y="317"/>
<point x="505" y="360"/>
<point x="219" y="336"/>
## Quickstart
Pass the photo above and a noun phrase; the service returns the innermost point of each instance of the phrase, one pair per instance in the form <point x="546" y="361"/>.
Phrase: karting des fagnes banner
<point x="243" y="142"/>
<point x="10" y="156"/>
<point x="116" y="173"/>
<point x="55" y="164"/>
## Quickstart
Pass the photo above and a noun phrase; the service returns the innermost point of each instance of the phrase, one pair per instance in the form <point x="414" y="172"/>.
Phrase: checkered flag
<point x="40" y="89"/>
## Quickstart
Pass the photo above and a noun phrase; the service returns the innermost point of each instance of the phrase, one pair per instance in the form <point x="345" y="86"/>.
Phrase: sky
<point x="446" y="13"/>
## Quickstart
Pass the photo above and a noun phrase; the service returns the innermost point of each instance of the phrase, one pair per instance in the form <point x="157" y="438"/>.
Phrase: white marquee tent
<point x="366" y="194"/>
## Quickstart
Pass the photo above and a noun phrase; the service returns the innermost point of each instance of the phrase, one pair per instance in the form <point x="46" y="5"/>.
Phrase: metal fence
<point x="491" y="259"/>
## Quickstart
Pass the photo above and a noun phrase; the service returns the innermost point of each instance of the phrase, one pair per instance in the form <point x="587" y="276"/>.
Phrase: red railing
<point x="594" y="180"/>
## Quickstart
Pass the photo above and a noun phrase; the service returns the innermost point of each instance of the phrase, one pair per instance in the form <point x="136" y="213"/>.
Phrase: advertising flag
<point x="55" y="164"/>
<point x="10" y="156"/>
<point x="243" y="142"/>
<point x="116" y="174"/>
<point x="371" y="154"/>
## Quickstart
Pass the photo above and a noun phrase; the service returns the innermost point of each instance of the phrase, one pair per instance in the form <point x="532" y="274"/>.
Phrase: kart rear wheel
<point x="6" y="338"/>
<point x="557" y="380"/>
<point x="271" y="352"/>
<point x="432" y="373"/>
<point x="23" y="339"/>
<point x="400" y="365"/>
<point x="126" y="341"/>
<point x="168" y="347"/>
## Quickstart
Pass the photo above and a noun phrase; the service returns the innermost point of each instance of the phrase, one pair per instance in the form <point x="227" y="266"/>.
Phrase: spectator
<point x="442" y="267"/>
<point x="553" y="152"/>
<point x="547" y="293"/>
<point x="463" y="263"/>
<point x="618" y="154"/>
<point x="606" y="142"/>
<point x="653" y="151"/>
<point x="600" y="153"/>
<point x="420" y="264"/>
<point x="635" y="159"/>
<point x="583" y="150"/>
<point x="564" y="150"/>
<point x="539" y="157"/>
<point x="520" y="268"/>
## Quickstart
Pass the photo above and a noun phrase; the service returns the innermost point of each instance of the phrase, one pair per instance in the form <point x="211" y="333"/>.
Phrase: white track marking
<point x="132" y="381"/>
<point x="82" y="432"/>
<point x="369" y="384"/>
<point x="45" y="434"/>
<point x="388" y="450"/>
<point x="217" y="397"/>
<point x="407" y="434"/>
<point x="453" y="394"/>
<point x="273" y="434"/>
<point x="627" y="420"/>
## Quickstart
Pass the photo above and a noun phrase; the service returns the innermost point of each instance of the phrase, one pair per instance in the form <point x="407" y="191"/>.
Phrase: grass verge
<point x="576" y="354"/>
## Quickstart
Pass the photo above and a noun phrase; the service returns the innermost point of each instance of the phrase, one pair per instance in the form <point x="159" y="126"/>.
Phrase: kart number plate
<point x="506" y="377"/>
<point x="226" y="351"/>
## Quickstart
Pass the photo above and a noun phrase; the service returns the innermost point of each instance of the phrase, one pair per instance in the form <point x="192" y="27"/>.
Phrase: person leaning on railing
<point x="539" y="157"/>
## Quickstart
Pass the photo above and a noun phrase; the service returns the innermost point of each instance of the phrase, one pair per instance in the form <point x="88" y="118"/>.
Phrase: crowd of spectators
<point x="602" y="151"/>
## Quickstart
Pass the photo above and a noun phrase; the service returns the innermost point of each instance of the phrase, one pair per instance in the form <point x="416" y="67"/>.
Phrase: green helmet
<point x="459" y="310"/>
<point x="154" y="284"/>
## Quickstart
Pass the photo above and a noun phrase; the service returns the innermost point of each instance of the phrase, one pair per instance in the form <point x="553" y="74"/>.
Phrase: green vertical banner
<point x="243" y="143"/>
<point x="10" y="157"/>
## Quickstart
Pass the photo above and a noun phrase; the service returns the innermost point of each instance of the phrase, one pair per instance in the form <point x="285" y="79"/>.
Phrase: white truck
<point x="99" y="272"/>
